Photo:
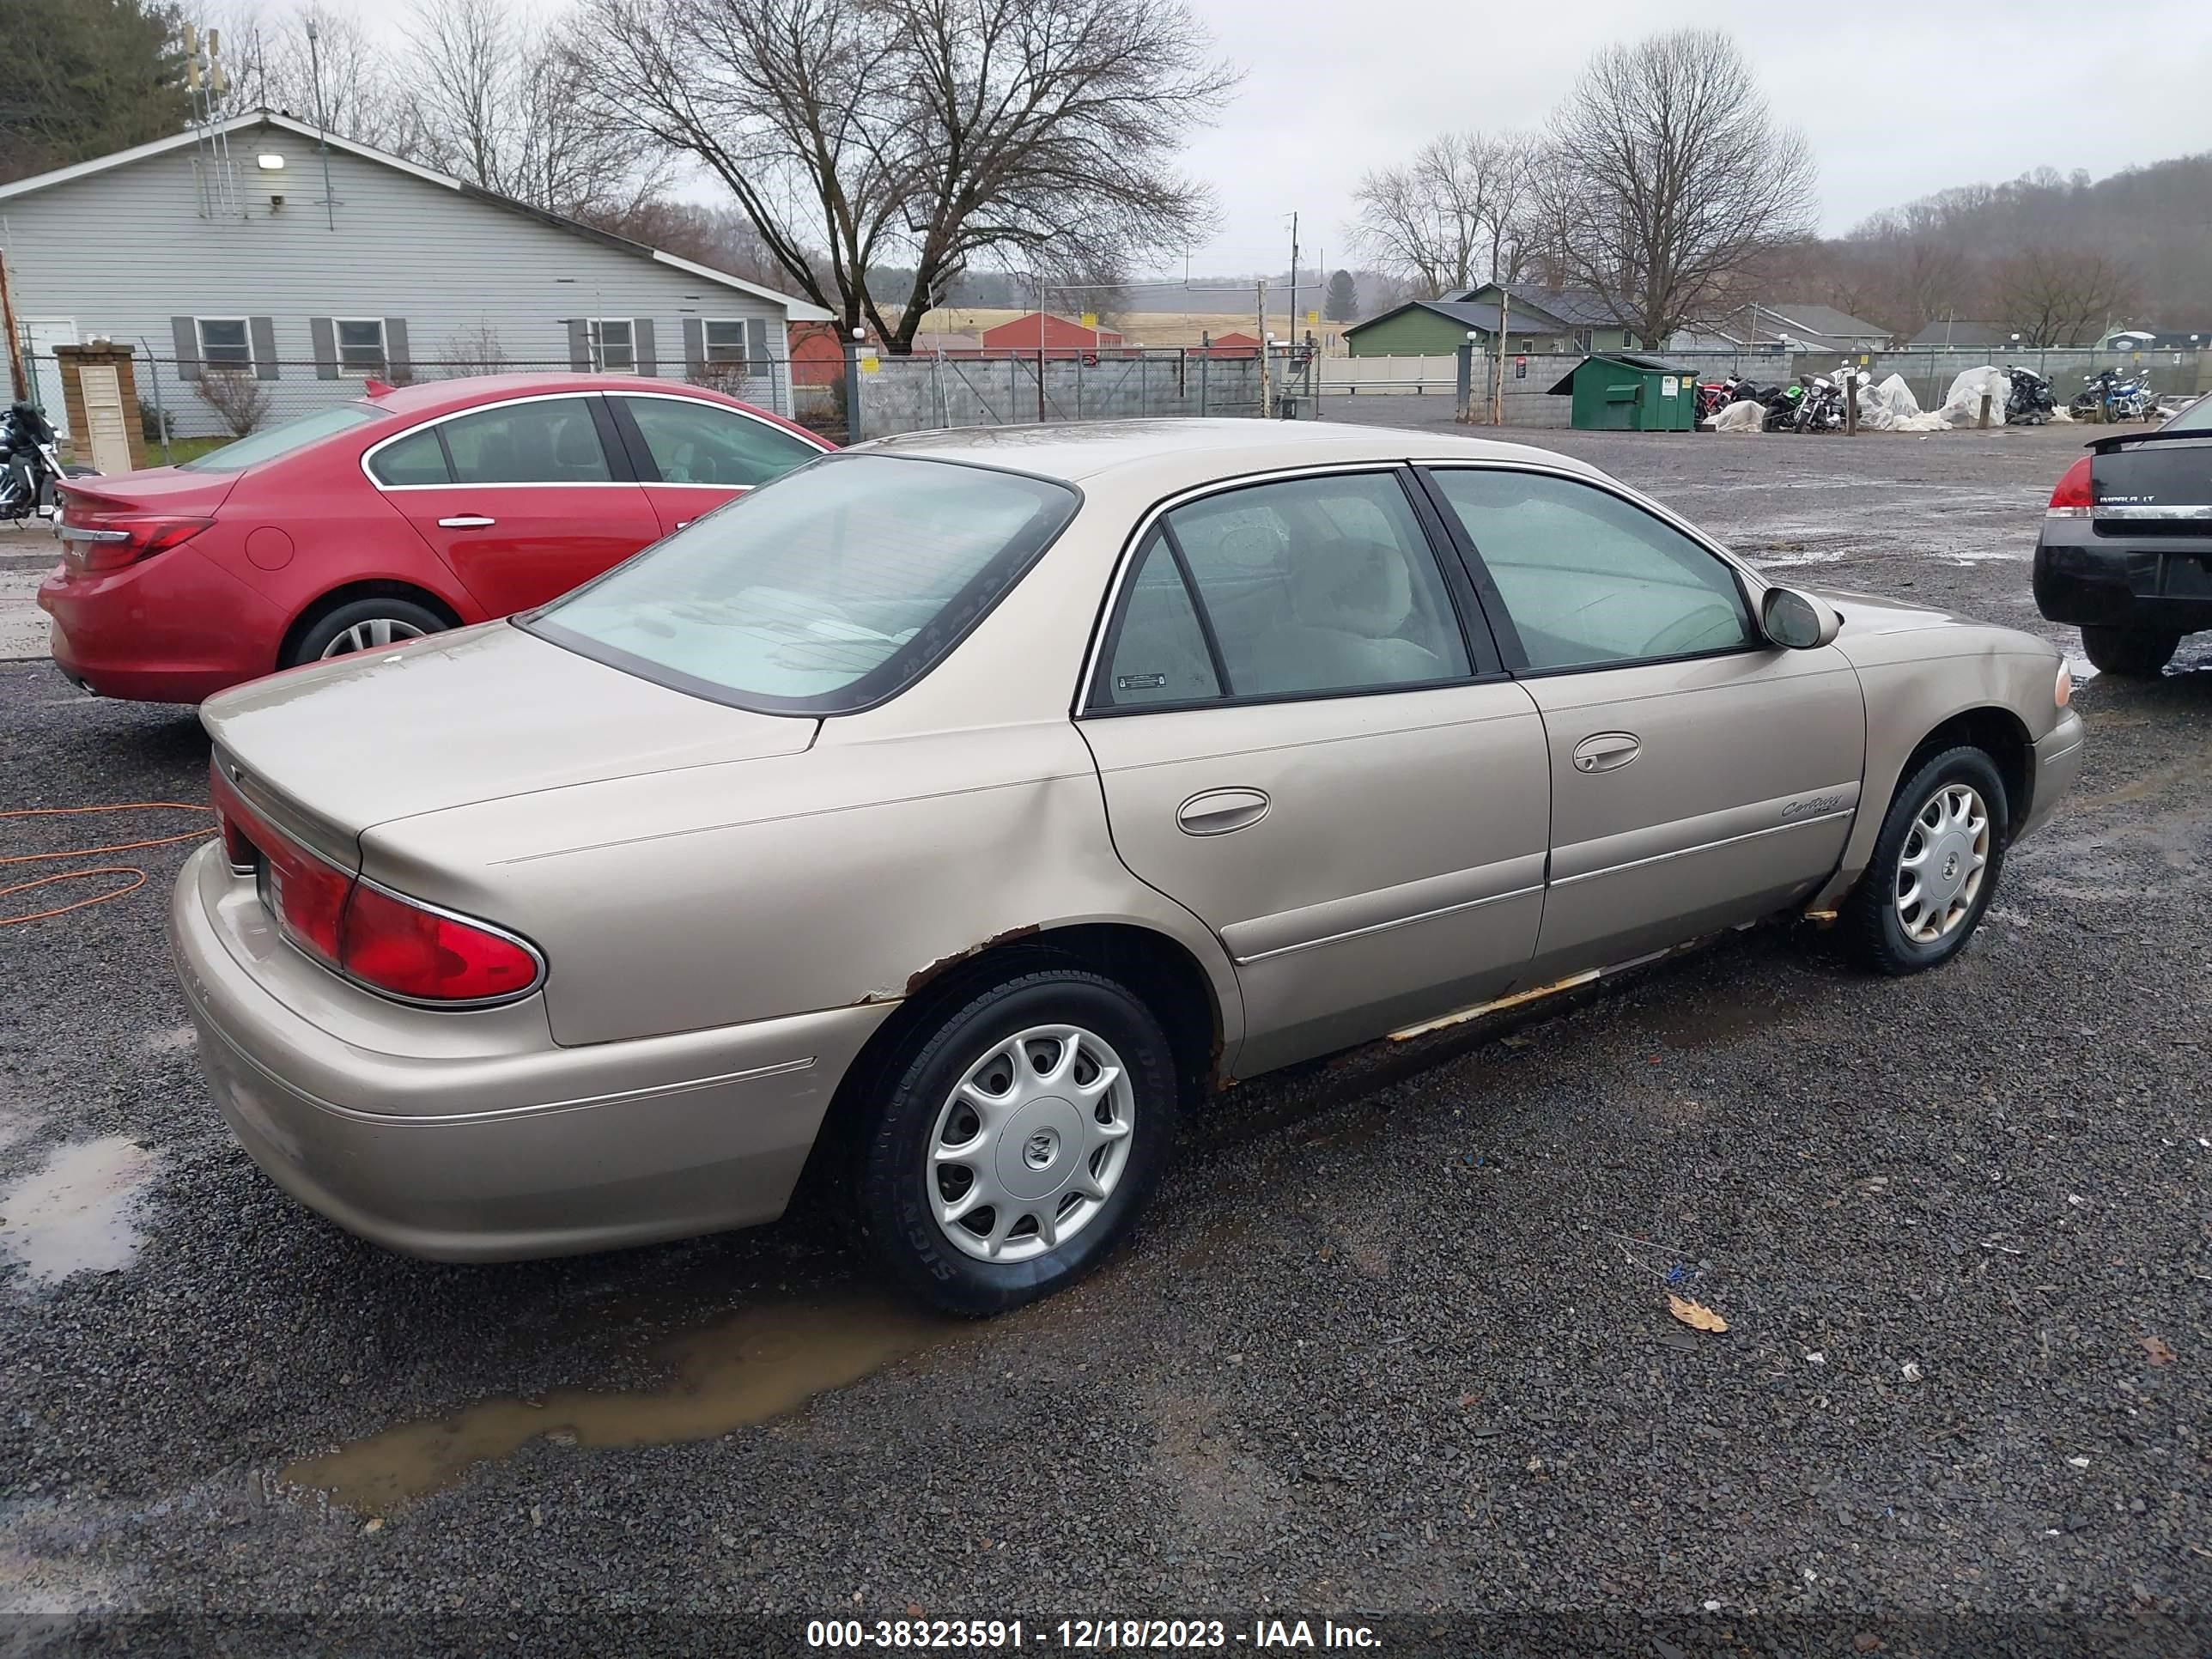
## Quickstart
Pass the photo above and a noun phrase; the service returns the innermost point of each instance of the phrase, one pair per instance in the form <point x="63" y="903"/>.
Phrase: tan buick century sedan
<point x="962" y="808"/>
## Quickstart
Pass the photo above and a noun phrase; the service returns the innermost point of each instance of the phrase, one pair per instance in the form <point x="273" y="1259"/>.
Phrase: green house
<point x="1617" y="392"/>
<point x="1537" y="321"/>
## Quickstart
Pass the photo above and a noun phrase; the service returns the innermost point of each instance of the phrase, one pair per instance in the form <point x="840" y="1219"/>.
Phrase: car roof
<point x="1202" y="449"/>
<point x="434" y="397"/>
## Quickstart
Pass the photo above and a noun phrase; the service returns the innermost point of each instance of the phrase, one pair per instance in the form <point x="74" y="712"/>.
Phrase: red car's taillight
<point x="380" y="938"/>
<point x="2071" y="499"/>
<point x="103" y="541"/>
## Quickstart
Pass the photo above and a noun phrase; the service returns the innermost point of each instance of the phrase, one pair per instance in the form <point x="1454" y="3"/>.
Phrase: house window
<point x="614" y="344"/>
<point x="361" y="345"/>
<point x="1582" y="341"/>
<point x="725" y="343"/>
<point x="224" y="343"/>
<point x="1528" y="345"/>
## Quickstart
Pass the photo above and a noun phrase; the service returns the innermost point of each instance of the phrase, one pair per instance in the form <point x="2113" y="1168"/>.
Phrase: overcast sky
<point x="1900" y="98"/>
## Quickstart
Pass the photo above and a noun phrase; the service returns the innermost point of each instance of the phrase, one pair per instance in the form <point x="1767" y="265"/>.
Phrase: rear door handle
<point x="1218" y="811"/>
<point x="1607" y="750"/>
<point x="466" y="521"/>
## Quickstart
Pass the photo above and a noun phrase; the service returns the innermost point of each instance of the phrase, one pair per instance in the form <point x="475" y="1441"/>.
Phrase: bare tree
<point x="471" y="351"/>
<point x="504" y="109"/>
<point x="2060" y="296"/>
<point x="239" y="401"/>
<point x="1670" y="171"/>
<point x="930" y="134"/>
<point x="1448" y="214"/>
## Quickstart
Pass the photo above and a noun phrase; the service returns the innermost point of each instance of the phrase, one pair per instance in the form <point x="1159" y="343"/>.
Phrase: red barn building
<point x="1058" y="337"/>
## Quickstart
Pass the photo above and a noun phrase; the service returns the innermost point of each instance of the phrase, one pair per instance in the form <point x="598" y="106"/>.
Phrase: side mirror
<point x="1796" y="622"/>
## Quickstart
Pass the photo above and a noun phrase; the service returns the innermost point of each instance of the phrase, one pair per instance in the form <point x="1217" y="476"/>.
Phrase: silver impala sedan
<point x="960" y="810"/>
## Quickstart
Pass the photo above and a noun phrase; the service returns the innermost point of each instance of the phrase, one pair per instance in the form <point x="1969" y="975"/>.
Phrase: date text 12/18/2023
<point x="1080" y="1635"/>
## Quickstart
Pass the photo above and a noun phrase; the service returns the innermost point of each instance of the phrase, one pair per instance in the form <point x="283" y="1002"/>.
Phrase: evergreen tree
<point x="1343" y="303"/>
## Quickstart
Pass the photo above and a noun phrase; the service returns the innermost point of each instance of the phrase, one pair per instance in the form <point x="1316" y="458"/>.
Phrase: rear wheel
<point x="2132" y="652"/>
<point x="367" y="624"/>
<point x="1018" y="1141"/>
<point x="1934" y="868"/>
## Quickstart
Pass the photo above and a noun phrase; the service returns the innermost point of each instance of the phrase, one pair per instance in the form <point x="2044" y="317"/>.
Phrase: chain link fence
<point x="934" y="390"/>
<point x="186" y="408"/>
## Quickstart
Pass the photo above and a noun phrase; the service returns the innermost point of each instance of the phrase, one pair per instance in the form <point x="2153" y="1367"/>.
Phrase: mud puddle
<point x="80" y="1212"/>
<point x="758" y="1364"/>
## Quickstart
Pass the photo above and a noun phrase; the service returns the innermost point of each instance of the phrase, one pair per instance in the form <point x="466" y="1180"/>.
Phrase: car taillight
<point x="2071" y="499"/>
<point x="108" y="541"/>
<point x="394" y="945"/>
<point x="380" y="938"/>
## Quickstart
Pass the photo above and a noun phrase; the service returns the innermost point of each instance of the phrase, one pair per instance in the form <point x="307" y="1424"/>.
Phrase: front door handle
<point x="1607" y="750"/>
<point x="467" y="521"/>
<point x="1218" y="811"/>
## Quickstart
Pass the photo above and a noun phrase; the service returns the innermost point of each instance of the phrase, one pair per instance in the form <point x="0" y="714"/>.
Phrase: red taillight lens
<point x="2071" y="499"/>
<point x="124" y="539"/>
<point x="396" y="946"/>
<point x="384" y="941"/>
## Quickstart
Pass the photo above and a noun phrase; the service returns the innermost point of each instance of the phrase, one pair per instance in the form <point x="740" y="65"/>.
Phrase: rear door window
<point x="694" y="442"/>
<point x="552" y="441"/>
<point x="418" y="459"/>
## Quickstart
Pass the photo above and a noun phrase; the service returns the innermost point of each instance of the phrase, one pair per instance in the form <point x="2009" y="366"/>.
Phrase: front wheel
<point x="1018" y="1142"/>
<point x="1934" y="868"/>
<point x="2131" y="653"/>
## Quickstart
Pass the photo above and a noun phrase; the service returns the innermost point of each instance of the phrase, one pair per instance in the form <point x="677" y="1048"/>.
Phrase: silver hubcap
<point x="371" y="635"/>
<point x="1940" y="873"/>
<point x="1030" y="1144"/>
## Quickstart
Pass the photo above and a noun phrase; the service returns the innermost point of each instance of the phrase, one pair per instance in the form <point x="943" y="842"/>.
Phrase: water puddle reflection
<point x="758" y="1364"/>
<point x="79" y="1214"/>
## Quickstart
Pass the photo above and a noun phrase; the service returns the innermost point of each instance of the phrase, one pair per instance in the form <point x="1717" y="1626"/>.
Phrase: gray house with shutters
<point x="258" y="260"/>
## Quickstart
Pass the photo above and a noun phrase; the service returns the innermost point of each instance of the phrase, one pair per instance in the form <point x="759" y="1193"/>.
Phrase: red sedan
<point x="415" y="509"/>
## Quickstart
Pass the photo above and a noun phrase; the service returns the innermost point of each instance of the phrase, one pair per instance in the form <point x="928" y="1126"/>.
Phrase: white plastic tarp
<point x="1741" y="417"/>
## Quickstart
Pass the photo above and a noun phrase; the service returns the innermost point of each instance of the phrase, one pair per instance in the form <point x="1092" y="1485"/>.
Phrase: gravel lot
<point x="1393" y="1348"/>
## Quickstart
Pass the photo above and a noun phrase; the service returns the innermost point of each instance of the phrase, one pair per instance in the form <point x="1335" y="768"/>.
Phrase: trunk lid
<point x="2145" y="485"/>
<point x="478" y="714"/>
<point x="157" y="489"/>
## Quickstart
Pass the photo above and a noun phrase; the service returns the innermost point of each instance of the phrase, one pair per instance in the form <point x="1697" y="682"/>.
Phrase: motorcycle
<point x="2030" y="401"/>
<point x="2106" y="396"/>
<point x="29" y="467"/>
<point x="1821" y="408"/>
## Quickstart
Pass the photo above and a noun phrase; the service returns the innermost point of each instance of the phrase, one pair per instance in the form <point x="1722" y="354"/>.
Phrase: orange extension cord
<point x="138" y="877"/>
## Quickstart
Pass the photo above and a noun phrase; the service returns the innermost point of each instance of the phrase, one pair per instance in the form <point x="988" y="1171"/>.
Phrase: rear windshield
<point x="266" y="445"/>
<point x="2198" y="418"/>
<point x="827" y="591"/>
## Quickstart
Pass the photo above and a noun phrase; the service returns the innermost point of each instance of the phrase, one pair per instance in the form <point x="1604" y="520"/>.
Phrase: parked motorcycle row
<point x="1813" y="404"/>
<point x="2109" y="396"/>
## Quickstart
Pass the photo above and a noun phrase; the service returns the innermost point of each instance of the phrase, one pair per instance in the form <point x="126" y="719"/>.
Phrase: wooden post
<point x="1851" y="403"/>
<point x="14" y="341"/>
<point x="1983" y="423"/>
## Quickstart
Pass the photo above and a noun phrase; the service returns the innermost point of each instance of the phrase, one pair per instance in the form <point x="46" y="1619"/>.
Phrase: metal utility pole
<point x="322" y="123"/>
<point x="1262" y="288"/>
<point x="1292" y="358"/>
<point x="1498" y="385"/>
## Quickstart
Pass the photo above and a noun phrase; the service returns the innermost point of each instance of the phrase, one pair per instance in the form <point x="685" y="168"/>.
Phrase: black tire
<point x="2130" y="653"/>
<point x="354" y="613"/>
<point x="889" y="1195"/>
<point x="1872" y="932"/>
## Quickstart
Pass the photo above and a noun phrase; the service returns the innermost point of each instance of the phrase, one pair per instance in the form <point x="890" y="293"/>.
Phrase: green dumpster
<point x="1622" y="392"/>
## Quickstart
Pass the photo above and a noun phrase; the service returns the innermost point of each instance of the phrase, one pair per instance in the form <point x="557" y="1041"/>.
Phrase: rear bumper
<point x="172" y="628"/>
<point x="502" y="1155"/>
<point x="2093" y="581"/>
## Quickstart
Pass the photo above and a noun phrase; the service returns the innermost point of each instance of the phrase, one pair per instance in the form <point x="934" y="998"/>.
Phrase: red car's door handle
<point x="466" y="521"/>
